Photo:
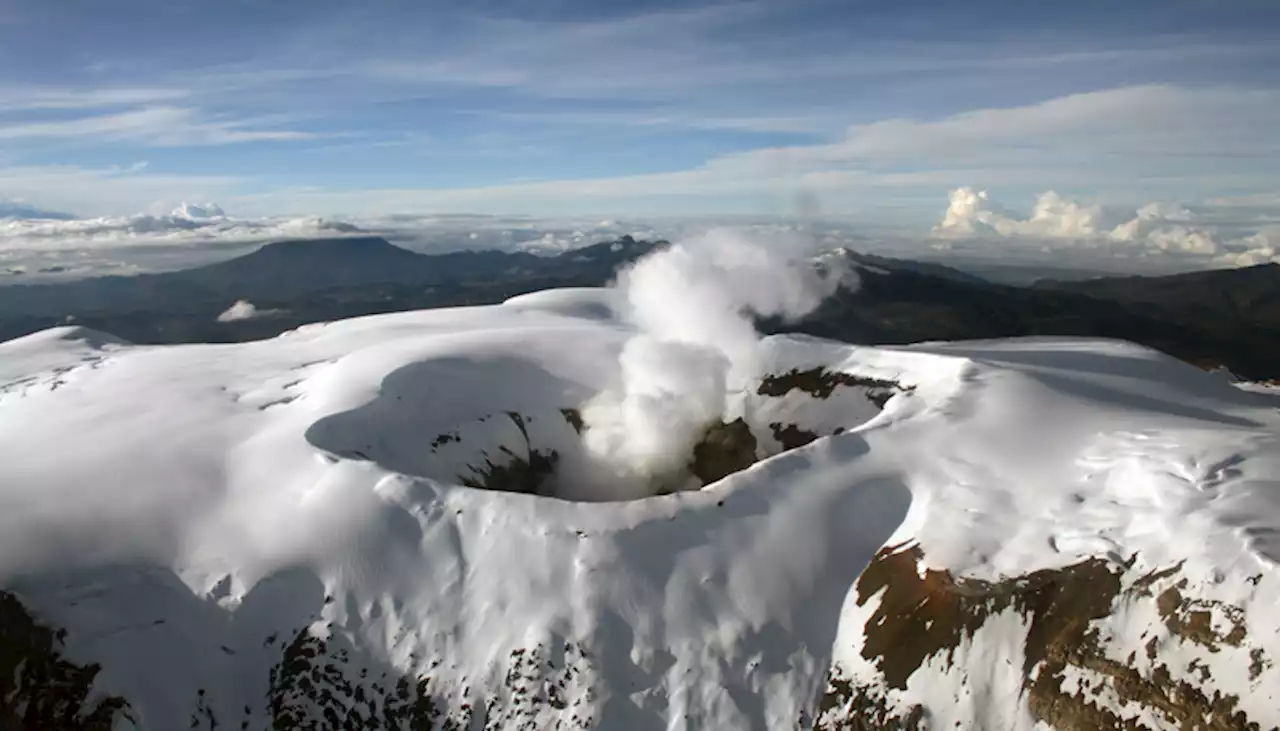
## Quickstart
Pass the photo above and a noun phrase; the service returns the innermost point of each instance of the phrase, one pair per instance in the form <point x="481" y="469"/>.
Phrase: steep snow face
<point x="281" y="534"/>
<point x="1094" y="536"/>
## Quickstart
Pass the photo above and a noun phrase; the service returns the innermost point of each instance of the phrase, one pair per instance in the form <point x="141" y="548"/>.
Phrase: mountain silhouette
<point x="292" y="268"/>
<point x="1216" y="318"/>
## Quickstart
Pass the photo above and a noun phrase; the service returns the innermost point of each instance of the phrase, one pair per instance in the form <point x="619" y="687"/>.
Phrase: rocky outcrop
<point x="40" y="690"/>
<point x="321" y="682"/>
<point x="724" y="449"/>
<point x="1072" y="676"/>
<point x="820" y="383"/>
<point x="526" y="473"/>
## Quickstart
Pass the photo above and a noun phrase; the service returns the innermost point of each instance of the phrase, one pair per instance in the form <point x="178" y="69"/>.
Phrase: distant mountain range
<point x="303" y="281"/>
<point x="1225" y="318"/>
<point x="13" y="209"/>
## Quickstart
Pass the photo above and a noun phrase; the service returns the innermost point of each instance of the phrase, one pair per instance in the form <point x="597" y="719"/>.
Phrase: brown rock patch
<point x="923" y="616"/>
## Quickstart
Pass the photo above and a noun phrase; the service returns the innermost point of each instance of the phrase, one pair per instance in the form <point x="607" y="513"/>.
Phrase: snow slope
<point x="276" y="534"/>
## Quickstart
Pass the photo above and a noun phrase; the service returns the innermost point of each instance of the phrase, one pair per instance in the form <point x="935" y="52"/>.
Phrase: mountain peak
<point x="21" y="210"/>
<point x="193" y="211"/>
<point x="363" y="246"/>
<point x="290" y="268"/>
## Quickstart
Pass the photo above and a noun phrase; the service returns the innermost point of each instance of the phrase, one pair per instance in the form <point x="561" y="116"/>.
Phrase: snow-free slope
<point x="279" y="534"/>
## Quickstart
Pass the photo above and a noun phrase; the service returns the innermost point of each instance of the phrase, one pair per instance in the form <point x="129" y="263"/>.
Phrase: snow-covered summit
<point x="198" y="212"/>
<point x="390" y="522"/>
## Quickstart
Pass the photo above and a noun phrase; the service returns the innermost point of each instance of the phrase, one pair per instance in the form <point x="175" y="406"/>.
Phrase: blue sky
<point x="866" y="110"/>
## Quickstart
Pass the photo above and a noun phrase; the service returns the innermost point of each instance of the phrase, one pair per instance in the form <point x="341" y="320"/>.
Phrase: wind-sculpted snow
<point x="392" y="523"/>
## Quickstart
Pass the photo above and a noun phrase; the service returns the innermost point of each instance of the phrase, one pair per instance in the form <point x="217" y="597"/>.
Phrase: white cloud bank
<point x="195" y="234"/>
<point x="1155" y="228"/>
<point x="1057" y="233"/>
<point x="189" y="223"/>
<point x="972" y="213"/>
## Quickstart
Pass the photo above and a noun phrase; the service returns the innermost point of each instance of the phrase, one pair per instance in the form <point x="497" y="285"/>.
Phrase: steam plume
<point x="696" y="344"/>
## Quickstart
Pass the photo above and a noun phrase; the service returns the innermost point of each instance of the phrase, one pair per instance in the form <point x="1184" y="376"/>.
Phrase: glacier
<point x="294" y="533"/>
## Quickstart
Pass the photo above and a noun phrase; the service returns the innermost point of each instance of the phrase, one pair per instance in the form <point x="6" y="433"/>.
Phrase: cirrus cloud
<point x="158" y="126"/>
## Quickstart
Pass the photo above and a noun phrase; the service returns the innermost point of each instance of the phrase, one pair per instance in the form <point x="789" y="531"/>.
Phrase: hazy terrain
<point x="1218" y="318"/>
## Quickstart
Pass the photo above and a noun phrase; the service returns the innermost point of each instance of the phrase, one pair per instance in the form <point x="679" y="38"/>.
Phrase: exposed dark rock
<point x="791" y="436"/>
<point x="574" y="418"/>
<point x="821" y="383"/>
<point x="323" y="684"/>
<point x="528" y="473"/>
<point x="846" y="706"/>
<point x="516" y="474"/>
<point x="39" y="689"/>
<point x="1192" y="619"/>
<point x="1225" y="317"/>
<point x="723" y="450"/>
<point x="443" y="439"/>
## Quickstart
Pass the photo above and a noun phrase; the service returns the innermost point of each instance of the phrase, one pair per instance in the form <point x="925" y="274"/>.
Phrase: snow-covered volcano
<point x="391" y="522"/>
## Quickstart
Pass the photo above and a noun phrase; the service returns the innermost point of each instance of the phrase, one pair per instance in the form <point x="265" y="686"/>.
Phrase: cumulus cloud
<point x="1184" y="240"/>
<point x="1158" y="227"/>
<point x="968" y="213"/>
<point x="1149" y="219"/>
<point x="971" y="212"/>
<point x="1262" y="247"/>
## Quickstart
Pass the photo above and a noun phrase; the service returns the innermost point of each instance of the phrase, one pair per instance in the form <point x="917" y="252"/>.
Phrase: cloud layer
<point x="187" y="224"/>
<point x="1055" y="232"/>
<point x="1205" y="237"/>
<point x="1132" y="142"/>
<point x="33" y="248"/>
